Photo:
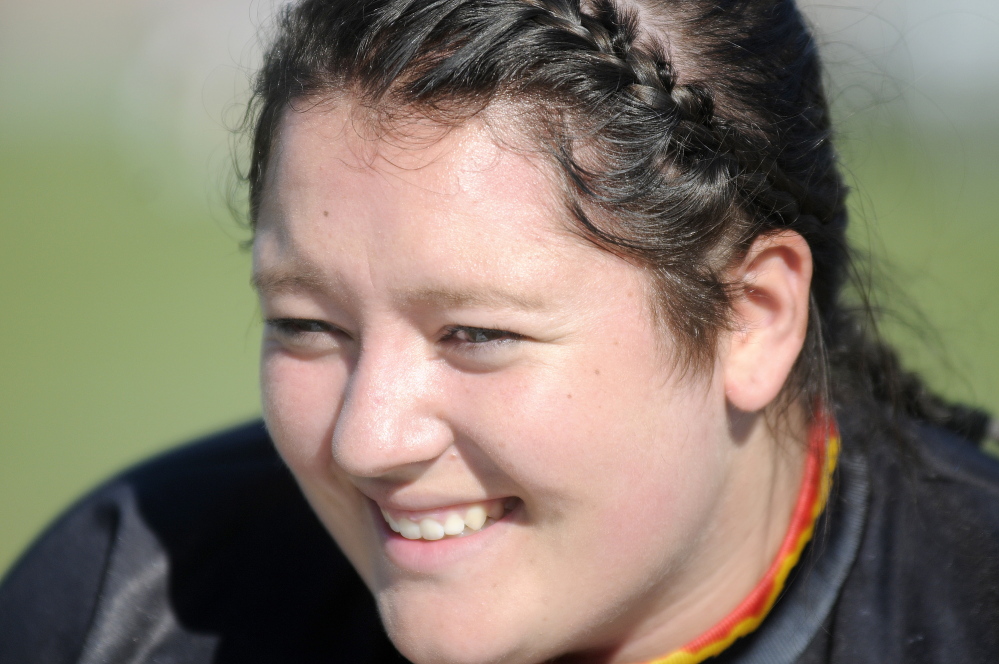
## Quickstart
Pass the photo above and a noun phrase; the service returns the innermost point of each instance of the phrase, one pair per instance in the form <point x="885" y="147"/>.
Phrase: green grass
<point x="927" y="206"/>
<point x="127" y="324"/>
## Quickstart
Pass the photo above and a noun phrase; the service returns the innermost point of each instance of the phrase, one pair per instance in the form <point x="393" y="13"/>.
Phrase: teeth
<point x="476" y="517"/>
<point x="454" y="524"/>
<point x="431" y="530"/>
<point x="393" y="524"/>
<point x="409" y="529"/>
<point x="495" y="510"/>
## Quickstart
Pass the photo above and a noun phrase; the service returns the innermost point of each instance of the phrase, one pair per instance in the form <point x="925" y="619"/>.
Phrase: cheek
<point x="605" y="433"/>
<point x="617" y="472"/>
<point x="301" y="401"/>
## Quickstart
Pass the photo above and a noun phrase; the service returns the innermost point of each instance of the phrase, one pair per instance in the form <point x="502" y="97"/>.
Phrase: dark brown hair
<point x="681" y="131"/>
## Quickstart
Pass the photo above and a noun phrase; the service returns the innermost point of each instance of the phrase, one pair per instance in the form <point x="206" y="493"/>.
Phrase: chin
<point x="481" y="647"/>
<point x="447" y="635"/>
<point x="423" y="650"/>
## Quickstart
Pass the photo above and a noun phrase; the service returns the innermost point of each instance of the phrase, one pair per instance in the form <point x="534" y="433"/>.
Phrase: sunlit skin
<point x="437" y="336"/>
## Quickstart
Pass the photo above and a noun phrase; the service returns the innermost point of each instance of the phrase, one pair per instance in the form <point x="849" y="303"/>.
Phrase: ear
<point x="770" y="319"/>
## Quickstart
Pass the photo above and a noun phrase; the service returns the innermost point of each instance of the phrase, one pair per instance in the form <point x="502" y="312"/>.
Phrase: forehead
<point x="447" y="160"/>
<point x="340" y="189"/>
<point x="336" y="155"/>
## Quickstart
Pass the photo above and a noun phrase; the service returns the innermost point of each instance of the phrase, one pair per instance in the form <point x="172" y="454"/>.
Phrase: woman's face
<point x="440" y="349"/>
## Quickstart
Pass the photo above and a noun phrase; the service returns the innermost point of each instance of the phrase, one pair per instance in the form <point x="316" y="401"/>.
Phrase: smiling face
<point x="442" y="357"/>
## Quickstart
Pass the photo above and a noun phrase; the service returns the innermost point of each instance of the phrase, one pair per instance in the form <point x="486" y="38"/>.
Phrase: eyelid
<point x="498" y="334"/>
<point x="295" y="325"/>
<point x="302" y="328"/>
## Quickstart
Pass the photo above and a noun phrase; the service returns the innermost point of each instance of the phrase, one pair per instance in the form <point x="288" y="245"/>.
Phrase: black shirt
<point x="210" y="554"/>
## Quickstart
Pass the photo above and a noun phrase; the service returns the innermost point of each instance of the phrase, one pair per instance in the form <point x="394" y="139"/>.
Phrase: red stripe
<point x="804" y="516"/>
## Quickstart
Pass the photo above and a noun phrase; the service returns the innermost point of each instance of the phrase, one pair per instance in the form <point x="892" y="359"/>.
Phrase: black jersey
<point x="210" y="554"/>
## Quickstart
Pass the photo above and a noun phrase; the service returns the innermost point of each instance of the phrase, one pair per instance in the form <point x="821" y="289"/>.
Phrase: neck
<point x="739" y="546"/>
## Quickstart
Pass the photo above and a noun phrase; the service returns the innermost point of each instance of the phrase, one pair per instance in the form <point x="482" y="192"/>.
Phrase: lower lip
<point x="426" y="556"/>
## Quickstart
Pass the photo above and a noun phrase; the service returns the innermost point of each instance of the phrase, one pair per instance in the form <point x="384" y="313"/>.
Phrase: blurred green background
<point x="126" y="321"/>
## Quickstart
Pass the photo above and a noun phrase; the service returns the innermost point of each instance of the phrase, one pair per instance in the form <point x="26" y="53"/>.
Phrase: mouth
<point x="449" y="522"/>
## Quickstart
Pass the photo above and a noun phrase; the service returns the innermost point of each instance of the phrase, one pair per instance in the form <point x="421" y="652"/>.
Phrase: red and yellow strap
<point x="824" y="445"/>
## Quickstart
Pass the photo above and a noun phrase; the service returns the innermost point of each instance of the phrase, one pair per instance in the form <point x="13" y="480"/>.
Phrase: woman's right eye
<point x="304" y="334"/>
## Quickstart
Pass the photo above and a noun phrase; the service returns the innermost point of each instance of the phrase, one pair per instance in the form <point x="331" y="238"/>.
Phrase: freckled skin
<point x="624" y="482"/>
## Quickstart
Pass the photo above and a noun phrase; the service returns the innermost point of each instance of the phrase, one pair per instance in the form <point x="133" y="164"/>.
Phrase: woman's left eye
<point x="478" y="335"/>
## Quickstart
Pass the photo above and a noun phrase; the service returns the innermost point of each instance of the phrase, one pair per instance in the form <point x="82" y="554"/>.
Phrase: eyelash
<point x="298" y="327"/>
<point x="498" y="336"/>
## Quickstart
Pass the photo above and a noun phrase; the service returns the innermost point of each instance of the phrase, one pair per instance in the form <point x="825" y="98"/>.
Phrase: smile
<point x="449" y="522"/>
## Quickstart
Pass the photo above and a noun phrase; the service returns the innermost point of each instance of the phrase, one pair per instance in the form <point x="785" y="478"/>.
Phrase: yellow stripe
<point x="749" y="624"/>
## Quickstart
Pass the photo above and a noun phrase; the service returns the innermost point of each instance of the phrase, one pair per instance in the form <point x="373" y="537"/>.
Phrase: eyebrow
<point x="273" y="282"/>
<point x="276" y="282"/>
<point x="457" y="298"/>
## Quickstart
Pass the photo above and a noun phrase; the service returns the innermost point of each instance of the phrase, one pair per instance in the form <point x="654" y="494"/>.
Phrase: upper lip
<point x="425" y="502"/>
<point x="432" y="505"/>
<point x="413" y="497"/>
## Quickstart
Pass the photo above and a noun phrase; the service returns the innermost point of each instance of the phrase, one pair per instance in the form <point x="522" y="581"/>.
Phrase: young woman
<point x="558" y="351"/>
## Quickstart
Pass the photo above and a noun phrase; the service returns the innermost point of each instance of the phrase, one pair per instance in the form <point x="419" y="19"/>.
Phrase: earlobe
<point x="770" y="311"/>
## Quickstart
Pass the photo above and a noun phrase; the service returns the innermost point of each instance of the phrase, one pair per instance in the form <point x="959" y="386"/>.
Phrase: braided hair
<point x="679" y="131"/>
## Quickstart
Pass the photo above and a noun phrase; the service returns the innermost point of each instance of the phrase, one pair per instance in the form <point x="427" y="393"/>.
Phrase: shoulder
<point x="206" y="553"/>
<point x="925" y="584"/>
<point x="942" y="489"/>
<point x="951" y="460"/>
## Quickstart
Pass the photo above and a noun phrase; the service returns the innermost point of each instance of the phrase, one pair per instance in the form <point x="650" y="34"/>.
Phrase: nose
<point x="390" y="422"/>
